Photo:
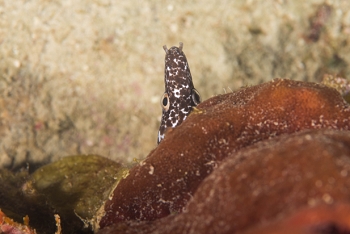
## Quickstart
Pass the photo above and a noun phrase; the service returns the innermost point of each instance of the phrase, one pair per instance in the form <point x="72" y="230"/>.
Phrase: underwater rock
<point x="75" y="187"/>
<point x="8" y="226"/>
<point x="322" y="219"/>
<point x="264" y="182"/>
<point x="166" y="180"/>
<point x="342" y="85"/>
<point x="270" y="179"/>
<point x="16" y="205"/>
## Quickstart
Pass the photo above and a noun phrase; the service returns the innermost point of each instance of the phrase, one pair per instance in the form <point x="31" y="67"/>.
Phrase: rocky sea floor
<point x="80" y="85"/>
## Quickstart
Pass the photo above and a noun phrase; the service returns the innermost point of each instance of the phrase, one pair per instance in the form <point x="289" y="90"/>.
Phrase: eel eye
<point x="164" y="102"/>
<point x="196" y="98"/>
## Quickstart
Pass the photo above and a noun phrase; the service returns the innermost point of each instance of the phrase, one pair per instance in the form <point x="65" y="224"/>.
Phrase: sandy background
<point x="83" y="77"/>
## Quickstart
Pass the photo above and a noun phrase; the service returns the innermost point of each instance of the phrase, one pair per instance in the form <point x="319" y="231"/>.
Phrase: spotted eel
<point x="180" y="96"/>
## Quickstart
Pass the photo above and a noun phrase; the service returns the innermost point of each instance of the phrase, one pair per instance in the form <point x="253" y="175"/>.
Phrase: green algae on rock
<point x="76" y="185"/>
<point x="166" y="180"/>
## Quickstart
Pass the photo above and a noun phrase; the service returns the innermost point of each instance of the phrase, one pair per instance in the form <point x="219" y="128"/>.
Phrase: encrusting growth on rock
<point x="267" y="181"/>
<point x="226" y="124"/>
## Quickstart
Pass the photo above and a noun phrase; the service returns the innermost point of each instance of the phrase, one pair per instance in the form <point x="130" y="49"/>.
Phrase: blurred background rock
<point x="86" y="77"/>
